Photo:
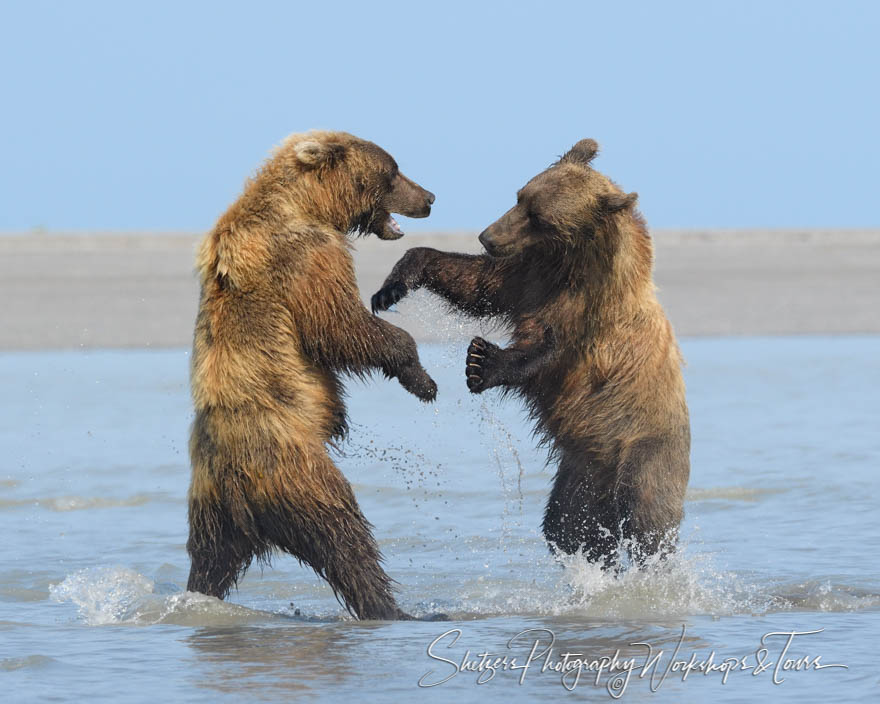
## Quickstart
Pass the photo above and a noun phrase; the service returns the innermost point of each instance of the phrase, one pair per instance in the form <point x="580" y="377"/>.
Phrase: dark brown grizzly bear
<point x="280" y="318"/>
<point x="568" y="268"/>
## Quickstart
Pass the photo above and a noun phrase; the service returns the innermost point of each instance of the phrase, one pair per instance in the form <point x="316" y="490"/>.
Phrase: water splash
<point x="118" y="595"/>
<point x="103" y="595"/>
<point x="502" y="447"/>
<point x="569" y="586"/>
<point x="680" y="584"/>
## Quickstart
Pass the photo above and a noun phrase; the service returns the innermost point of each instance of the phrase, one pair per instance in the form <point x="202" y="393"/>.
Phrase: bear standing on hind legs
<point x="280" y="317"/>
<point x="569" y="269"/>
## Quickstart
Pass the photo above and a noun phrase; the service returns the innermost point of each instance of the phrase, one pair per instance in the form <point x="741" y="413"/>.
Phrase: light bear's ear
<point x="582" y="153"/>
<point x="314" y="153"/>
<point x="615" y="202"/>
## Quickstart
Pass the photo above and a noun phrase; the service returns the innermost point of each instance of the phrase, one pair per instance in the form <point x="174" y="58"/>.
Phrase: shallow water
<point x="781" y="534"/>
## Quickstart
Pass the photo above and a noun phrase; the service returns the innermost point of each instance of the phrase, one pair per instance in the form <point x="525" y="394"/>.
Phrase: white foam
<point x="103" y="594"/>
<point x="537" y="583"/>
<point x="678" y="585"/>
<point x="118" y="595"/>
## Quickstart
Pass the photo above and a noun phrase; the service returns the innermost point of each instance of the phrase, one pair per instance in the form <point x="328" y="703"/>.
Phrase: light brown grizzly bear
<point x="568" y="268"/>
<point x="280" y="318"/>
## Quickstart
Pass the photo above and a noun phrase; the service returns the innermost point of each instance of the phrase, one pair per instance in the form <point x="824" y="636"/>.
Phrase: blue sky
<point x="150" y="116"/>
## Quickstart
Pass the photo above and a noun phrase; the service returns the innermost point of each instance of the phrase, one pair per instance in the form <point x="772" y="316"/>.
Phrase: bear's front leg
<point x="469" y="282"/>
<point x="399" y="358"/>
<point x="406" y="276"/>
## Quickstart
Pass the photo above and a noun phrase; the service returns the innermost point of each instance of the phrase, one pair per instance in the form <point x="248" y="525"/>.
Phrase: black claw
<point x="429" y="391"/>
<point x="418" y="383"/>
<point x="475" y="383"/>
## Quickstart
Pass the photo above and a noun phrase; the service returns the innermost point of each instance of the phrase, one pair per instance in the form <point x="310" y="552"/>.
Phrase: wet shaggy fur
<point x="280" y="318"/>
<point x="568" y="268"/>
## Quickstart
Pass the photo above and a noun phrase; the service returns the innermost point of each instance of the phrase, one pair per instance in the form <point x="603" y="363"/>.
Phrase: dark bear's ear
<point x="582" y="153"/>
<point x="614" y="202"/>
<point x="314" y="153"/>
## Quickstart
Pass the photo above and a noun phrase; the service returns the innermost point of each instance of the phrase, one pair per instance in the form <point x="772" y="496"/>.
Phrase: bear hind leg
<point x="580" y="518"/>
<point x="335" y="539"/>
<point x="656" y="479"/>
<point x="219" y="550"/>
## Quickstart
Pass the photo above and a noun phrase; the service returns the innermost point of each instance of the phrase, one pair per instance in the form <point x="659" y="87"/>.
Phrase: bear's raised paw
<point x="481" y="365"/>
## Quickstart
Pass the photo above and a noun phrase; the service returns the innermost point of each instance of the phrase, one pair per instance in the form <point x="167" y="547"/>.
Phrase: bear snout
<point x="409" y="198"/>
<point x="425" y="209"/>
<point x="490" y="244"/>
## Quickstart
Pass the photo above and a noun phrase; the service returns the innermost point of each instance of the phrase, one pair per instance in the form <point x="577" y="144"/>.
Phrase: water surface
<point x="781" y="535"/>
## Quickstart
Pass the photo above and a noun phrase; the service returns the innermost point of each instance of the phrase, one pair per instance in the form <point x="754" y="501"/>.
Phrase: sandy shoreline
<point x="138" y="289"/>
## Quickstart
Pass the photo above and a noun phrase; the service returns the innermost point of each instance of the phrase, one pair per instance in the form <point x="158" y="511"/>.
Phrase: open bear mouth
<point x="393" y="226"/>
<point x="388" y="229"/>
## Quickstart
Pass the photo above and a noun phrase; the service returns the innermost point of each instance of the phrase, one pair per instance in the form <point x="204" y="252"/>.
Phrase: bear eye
<point x="535" y="219"/>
